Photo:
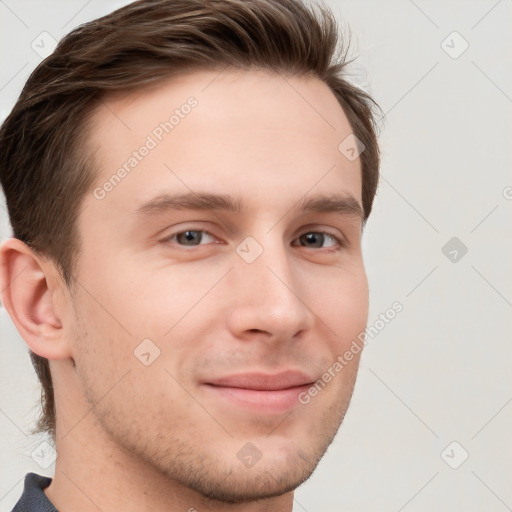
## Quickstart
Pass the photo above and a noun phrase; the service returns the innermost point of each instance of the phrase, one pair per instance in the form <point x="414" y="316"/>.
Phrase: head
<point x="181" y="195"/>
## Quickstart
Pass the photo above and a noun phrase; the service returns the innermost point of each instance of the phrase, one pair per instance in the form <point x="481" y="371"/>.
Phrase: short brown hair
<point x="43" y="169"/>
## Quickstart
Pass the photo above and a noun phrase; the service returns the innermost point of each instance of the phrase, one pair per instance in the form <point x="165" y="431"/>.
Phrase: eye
<point x="317" y="239"/>
<point x="190" y="237"/>
<point x="311" y="239"/>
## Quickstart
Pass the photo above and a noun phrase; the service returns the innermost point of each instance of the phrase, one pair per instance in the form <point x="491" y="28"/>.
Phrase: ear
<point x="30" y="291"/>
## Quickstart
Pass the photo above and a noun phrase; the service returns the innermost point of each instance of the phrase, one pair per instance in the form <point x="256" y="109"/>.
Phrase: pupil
<point x="314" y="238"/>
<point x="190" y="236"/>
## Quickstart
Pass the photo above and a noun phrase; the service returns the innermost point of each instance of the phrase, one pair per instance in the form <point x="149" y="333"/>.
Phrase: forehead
<point x="252" y="132"/>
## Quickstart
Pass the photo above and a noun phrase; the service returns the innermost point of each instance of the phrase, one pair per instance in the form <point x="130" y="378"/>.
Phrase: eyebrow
<point x="341" y="204"/>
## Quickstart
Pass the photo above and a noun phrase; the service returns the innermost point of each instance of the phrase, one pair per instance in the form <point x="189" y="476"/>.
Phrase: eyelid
<point x="340" y="241"/>
<point x="321" y="228"/>
<point x="167" y="238"/>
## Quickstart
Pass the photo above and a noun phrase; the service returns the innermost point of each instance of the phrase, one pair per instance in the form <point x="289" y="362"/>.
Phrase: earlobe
<point x="29" y="301"/>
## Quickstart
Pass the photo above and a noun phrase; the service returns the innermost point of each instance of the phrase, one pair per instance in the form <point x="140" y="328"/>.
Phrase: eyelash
<point x="339" y="242"/>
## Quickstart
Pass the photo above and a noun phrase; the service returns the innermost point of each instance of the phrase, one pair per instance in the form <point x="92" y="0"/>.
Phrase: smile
<point x="262" y="393"/>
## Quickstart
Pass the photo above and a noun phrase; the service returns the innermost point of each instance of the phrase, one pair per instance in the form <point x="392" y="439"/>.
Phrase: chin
<point x="264" y="480"/>
<point x="279" y="466"/>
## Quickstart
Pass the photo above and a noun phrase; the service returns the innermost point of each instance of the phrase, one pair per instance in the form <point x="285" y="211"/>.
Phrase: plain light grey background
<point x="430" y="419"/>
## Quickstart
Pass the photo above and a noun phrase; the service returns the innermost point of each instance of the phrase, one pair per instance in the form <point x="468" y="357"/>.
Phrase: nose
<point x="269" y="298"/>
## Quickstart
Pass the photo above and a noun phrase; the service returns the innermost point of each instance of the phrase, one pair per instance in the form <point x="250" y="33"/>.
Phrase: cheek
<point x="103" y="340"/>
<point x="152" y="300"/>
<point x="343" y="305"/>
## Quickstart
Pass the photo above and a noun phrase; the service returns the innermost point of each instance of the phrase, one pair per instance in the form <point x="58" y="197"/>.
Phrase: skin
<point x="157" y="437"/>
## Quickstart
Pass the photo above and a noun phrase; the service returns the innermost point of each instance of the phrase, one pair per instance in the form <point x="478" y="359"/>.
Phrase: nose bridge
<point x="271" y="272"/>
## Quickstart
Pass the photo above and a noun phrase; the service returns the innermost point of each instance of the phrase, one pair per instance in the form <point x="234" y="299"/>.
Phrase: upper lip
<point x="263" y="381"/>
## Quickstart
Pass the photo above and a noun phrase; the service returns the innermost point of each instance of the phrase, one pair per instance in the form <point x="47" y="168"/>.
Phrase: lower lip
<point x="269" y="402"/>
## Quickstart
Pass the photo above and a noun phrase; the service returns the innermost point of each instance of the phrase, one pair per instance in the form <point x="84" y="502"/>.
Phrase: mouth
<point x="261" y="393"/>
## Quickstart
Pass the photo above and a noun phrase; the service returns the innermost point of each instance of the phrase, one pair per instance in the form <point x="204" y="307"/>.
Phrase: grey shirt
<point x="33" y="498"/>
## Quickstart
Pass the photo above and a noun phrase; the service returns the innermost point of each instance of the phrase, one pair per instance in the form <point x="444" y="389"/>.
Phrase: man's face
<point x="244" y="309"/>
